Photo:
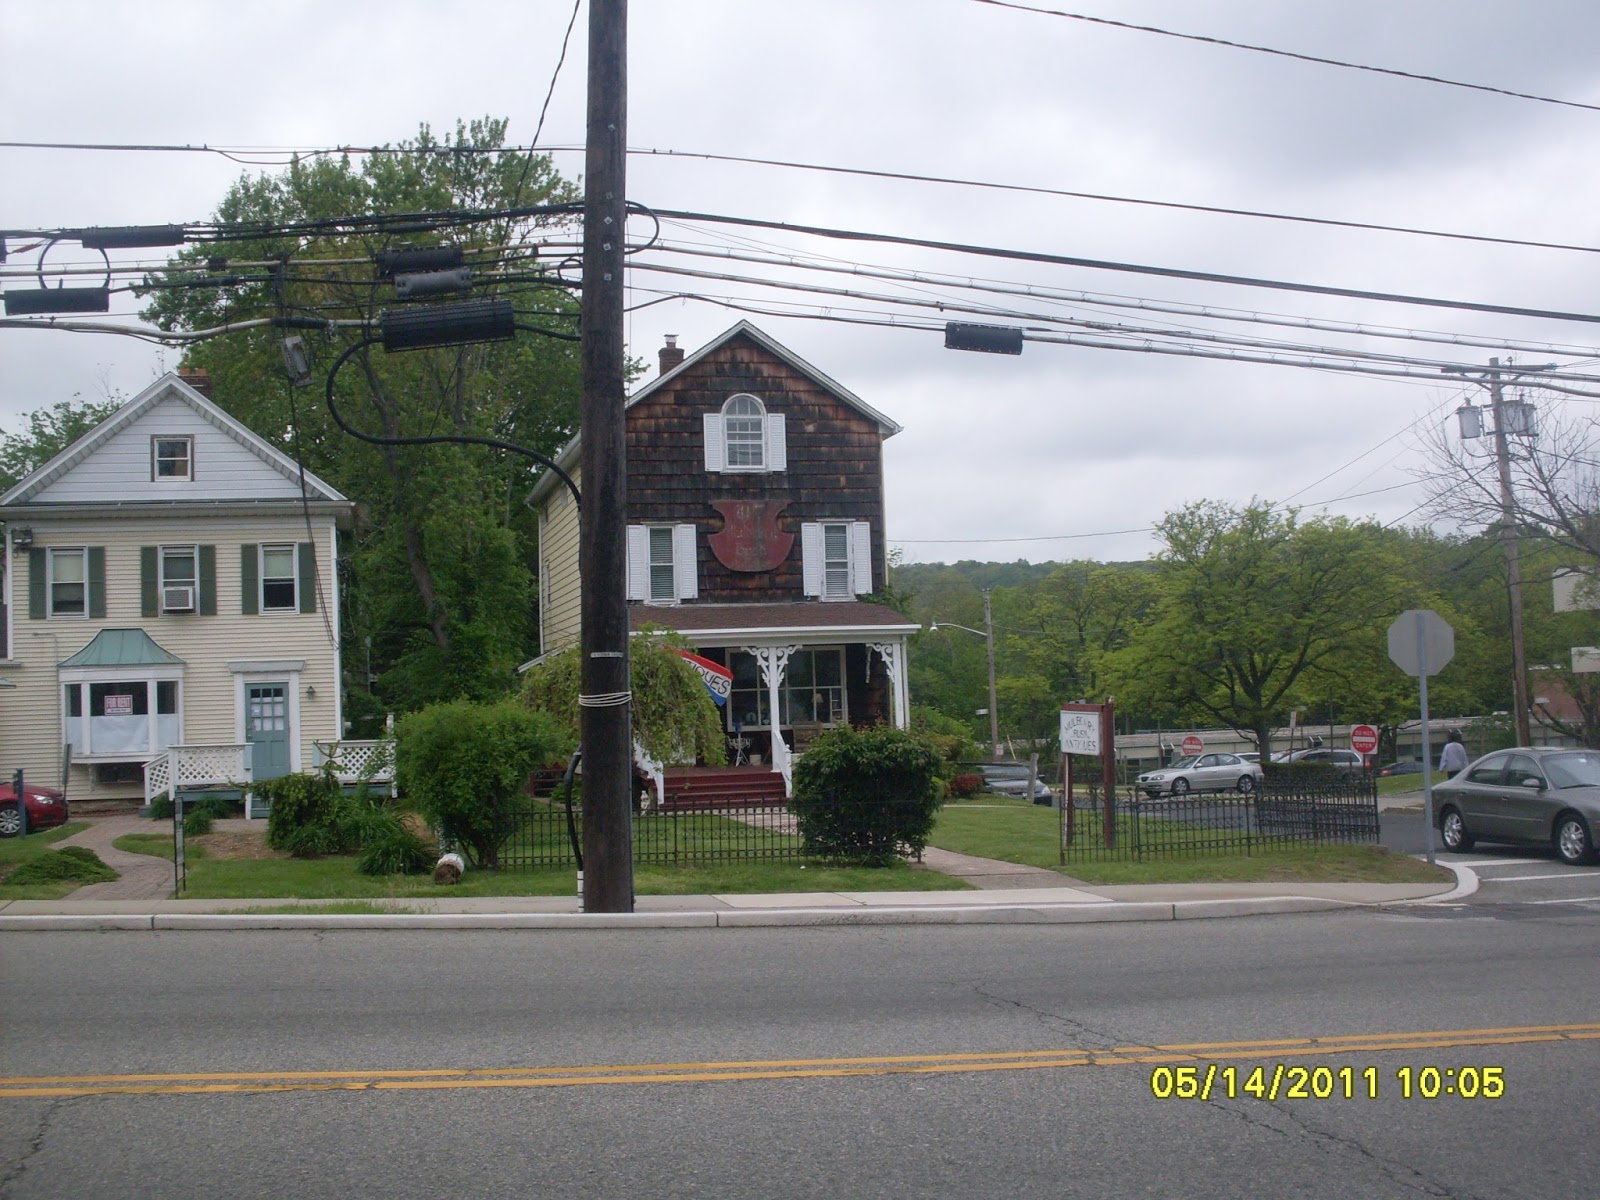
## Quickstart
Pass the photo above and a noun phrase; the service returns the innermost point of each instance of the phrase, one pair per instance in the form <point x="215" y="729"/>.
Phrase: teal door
<point x="266" y="728"/>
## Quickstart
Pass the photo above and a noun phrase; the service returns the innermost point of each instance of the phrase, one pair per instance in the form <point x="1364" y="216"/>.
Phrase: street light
<point x="987" y="634"/>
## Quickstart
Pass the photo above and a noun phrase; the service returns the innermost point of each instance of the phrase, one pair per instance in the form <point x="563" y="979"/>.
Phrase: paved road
<point x="803" y="1062"/>
<point x="1526" y="882"/>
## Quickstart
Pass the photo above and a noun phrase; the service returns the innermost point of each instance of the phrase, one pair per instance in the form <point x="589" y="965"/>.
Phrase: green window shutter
<point x="249" y="580"/>
<point x="97" y="582"/>
<point x="308" y="577"/>
<point x="36" y="584"/>
<point x="149" y="580"/>
<point x="208" y="581"/>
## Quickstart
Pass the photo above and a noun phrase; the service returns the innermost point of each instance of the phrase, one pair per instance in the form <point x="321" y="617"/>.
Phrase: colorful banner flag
<point x="718" y="679"/>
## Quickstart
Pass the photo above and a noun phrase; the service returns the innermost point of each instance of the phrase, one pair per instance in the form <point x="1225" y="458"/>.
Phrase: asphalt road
<point x="833" y="1062"/>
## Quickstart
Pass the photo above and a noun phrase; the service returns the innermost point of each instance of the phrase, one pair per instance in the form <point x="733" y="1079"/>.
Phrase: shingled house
<point x="755" y="529"/>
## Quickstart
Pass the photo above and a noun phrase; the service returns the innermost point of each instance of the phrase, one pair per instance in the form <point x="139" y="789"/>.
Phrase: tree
<point x="1085" y="611"/>
<point x="442" y="567"/>
<point x="49" y="431"/>
<point x="1255" y="607"/>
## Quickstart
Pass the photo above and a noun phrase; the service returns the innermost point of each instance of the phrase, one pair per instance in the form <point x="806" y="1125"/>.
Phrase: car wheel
<point x="1453" y="830"/>
<point x="1572" y="840"/>
<point x="1180" y="786"/>
<point x="10" y="821"/>
<point x="1246" y="785"/>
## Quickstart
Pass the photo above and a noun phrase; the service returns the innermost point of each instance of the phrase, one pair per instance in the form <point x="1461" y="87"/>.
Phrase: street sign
<point x="1363" y="739"/>
<point x="1421" y="642"/>
<point x="1193" y="744"/>
<point x="1080" y="732"/>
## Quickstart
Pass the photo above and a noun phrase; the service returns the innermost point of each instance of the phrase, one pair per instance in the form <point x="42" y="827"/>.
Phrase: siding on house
<point x="559" y="583"/>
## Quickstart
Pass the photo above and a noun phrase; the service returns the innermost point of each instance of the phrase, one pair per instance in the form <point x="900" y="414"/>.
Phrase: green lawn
<point x="18" y="850"/>
<point x="158" y="845"/>
<point x="1013" y="831"/>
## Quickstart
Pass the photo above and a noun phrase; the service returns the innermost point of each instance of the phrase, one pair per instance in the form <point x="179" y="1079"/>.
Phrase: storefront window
<point x="812" y="691"/>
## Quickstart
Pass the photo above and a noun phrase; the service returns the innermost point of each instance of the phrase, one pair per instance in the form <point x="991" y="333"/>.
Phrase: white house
<point x="171" y="581"/>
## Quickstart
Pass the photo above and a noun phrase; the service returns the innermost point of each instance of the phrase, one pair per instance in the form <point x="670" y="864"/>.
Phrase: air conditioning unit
<point x="177" y="599"/>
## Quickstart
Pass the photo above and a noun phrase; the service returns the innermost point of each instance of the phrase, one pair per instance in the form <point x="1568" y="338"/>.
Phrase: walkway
<point x="144" y="877"/>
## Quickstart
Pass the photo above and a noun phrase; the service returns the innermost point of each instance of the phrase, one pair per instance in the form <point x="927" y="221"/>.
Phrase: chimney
<point x="198" y="378"/>
<point x="671" y="355"/>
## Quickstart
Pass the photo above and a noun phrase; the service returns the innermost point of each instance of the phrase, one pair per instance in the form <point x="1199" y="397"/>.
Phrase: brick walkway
<point x="144" y="877"/>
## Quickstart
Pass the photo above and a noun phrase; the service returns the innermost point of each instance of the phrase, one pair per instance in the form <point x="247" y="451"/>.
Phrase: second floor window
<point x="663" y="585"/>
<point x="661" y="563"/>
<point x="172" y="458"/>
<point x="278" y="579"/>
<point x="180" y="581"/>
<point x="69" y="583"/>
<point x="836" y="561"/>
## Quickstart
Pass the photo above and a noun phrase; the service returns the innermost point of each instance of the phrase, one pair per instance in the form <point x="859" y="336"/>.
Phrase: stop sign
<point x="1363" y="739"/>
<point x="1193" y="744"/>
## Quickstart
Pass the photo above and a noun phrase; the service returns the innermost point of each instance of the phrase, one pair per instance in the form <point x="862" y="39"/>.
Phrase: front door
<point x="266" y="728"/>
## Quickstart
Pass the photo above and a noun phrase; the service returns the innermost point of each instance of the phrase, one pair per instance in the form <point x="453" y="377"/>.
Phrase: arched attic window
<point x="744" y="436"/>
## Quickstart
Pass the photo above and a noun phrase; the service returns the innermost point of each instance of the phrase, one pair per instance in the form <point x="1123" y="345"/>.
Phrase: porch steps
<point x="690" y="788"/>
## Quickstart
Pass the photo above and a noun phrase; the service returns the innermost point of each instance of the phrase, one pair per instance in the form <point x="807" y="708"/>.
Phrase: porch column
<point x="894" y="661"/>
<point x="774" y="661"/>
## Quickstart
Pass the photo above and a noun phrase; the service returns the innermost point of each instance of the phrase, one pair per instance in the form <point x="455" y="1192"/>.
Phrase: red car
<point x="46" y="808"/>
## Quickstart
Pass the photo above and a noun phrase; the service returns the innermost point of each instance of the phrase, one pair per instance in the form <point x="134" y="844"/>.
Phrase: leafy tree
<point x="1255" y="607"/>
<point x="1085" y="611"/>
<point x="442" y="567"/>
<point x="49" y="431"/>
<point x="674" y="718"/>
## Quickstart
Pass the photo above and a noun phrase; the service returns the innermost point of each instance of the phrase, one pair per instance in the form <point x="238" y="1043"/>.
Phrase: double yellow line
<point x="211" y="1083"/>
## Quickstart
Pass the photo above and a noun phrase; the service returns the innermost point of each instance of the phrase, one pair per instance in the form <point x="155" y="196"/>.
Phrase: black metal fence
<point x="703" y="833"/>
<point x="1285" y="812"/>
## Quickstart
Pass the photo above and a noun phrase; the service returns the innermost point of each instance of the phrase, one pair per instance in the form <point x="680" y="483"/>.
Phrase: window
<point x="812" y="691"/>
<point x="278" y="579"/>
<point x="836" y="559"/>
<point x="180" y="580"/>
<point x="745" y="437"/>
<point x="69" y="583"/>
<point x="171" y="458"/>
<point x="121" y="717"/>
<point x="661" y="563"/>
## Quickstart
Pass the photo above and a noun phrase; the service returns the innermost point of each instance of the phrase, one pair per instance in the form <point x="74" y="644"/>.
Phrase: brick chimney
<point x="198" y="378"/>
<point x="671" y="355"/>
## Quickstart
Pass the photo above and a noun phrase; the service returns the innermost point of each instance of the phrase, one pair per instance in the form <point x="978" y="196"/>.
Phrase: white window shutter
<point x="860" y="557"/>
<point x="777" y="445"/>
<point x="713" y="428"/>
<point x="811" y="557"/>
<point x="685" y="570"/>
<point x="638" y="563"/>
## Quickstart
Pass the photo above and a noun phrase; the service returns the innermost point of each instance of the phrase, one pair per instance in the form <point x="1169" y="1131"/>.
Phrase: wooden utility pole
<point x="606" y="710"/>
<point x="994" y="711"/>
<point x="1508" y="533"/>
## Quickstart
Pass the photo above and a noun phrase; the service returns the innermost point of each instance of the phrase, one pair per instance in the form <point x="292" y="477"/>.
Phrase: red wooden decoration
<point x="750" y="539"/>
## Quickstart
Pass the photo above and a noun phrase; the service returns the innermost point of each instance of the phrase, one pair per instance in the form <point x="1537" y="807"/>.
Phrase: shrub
<point x="161" y="808"/>
<point x="309" y="816"/>
<point x="865" y="796"/>
<point x="75" y="864"/>
<point x="965" y="785"/>
<point x="196" y="821"/>
<point x="465" y="766"/>
<point x="389" y="848"/>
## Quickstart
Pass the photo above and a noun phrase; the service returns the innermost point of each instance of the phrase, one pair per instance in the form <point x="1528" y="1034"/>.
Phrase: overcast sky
<point x="1050" y="455"/>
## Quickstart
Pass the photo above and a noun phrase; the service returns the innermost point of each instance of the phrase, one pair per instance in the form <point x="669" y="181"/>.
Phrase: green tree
<point x="1257" y="606"/>
<point x="442" y="565"/>
<point x="49" y="431"/>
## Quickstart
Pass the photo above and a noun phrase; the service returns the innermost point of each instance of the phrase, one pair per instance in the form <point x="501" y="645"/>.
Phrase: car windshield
<point x="1182" y="763"/>
<point x="1574" y="770"/>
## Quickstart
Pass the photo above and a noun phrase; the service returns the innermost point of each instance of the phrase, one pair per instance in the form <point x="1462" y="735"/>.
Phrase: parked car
<point x="1202" y="773"/>
<point x="1249" y="755"/>
<point x="1011" y="779"/>
<point x="46" y="808"/>
<point x="1344" y="762"/>
<point x="1405" y="766"/>
<point x="1533" y="795"/>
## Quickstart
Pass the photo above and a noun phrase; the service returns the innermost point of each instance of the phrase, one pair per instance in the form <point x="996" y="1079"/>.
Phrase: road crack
<point x="35" y="1143"/>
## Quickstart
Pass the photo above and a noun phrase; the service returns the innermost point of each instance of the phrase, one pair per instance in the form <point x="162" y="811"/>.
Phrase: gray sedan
<point x="1537" y="795"/>
<point x="1201" y="773"/>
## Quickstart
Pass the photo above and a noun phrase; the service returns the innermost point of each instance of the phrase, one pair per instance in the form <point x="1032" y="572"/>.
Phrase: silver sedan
<point x="1533" y="795"/>
<point x="1202" y="773"/>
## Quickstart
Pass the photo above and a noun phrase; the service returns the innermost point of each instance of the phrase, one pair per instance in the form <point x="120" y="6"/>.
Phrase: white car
<point x="1214" y="772"/>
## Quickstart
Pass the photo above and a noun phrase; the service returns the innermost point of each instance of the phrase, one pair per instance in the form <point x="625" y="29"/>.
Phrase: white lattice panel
<point x="359" y="762"/>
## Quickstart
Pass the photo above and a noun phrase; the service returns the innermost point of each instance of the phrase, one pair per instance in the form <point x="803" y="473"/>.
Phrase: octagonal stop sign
<point x="1421" y="642"/>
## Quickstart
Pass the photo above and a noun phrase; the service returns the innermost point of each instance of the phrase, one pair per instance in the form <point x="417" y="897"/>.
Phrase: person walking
<point x="1453" y="758"/>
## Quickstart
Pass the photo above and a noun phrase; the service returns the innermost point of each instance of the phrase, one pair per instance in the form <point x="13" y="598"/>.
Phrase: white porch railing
<point x="216" y="765"/>
<point x="356" y="762"/>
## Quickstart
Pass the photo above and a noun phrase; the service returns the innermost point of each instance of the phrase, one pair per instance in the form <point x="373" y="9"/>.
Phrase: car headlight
<point x="43" y="799"/>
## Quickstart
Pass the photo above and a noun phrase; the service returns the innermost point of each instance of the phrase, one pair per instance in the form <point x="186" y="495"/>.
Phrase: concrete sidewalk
<point x="1000" y="892"/>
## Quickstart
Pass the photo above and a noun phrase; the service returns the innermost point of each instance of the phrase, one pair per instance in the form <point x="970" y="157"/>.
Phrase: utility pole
<point x="994" y="711"/>
<point x="1508" y="533"/>
<point x="605" y="712"/>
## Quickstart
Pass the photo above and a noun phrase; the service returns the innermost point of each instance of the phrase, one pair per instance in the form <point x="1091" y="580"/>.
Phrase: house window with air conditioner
<point x="180" y="580"/>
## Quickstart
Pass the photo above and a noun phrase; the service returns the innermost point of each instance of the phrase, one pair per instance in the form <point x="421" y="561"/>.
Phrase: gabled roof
<point x="123" y="648"/>
<point x="169" y="386"/>
<point x="568" y="455"/>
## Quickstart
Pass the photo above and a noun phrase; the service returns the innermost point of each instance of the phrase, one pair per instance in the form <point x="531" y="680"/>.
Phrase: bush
<point x="310" y="815"/>
<point x="389" y="848"/>
<point x="196" y="821"/>
<point x="866" y="796"/>
<point x="965" y="785"/>
<point x="161" y="808"/>
<point x="465" y="766"/>
<point x="74" y="864"/>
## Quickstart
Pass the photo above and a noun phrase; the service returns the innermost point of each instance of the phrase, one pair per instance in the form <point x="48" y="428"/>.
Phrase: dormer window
<point x="745" y="437"/>
<point x="171" y="459"/>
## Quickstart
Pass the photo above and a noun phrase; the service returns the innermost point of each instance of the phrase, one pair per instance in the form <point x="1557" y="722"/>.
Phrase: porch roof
<point x="844" y="620"/>
<point x="122" y="648"/>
